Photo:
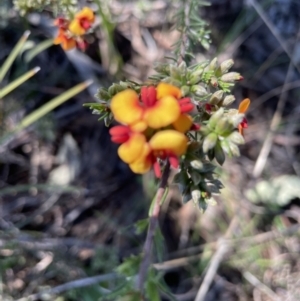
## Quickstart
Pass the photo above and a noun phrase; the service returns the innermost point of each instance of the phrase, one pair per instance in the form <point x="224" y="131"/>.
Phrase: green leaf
<point x="120" y="290"/>
<point x="17" y="82"/>
<point x="159" y="244"/>
<point x="152" y="290"/>
<point x="130" y="266"/>
<point x="196" y="177"/>
<point x="12" y="56"/>
<point x="46" y="108"/>
<point x="219" y="154"/>
<point x="30" y="54"/>
<point x="141" y="225"/>
<point x="52" y="104"/>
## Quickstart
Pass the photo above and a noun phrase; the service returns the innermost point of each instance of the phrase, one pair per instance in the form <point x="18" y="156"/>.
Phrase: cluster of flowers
<point x="154" y="127"/>
<point x="71" y="32"/>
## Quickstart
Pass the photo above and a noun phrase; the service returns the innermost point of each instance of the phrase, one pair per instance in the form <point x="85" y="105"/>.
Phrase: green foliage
<point x="208" y="85"/>
<point x="193" y="29"/>
<point x="130" y="266"/>
<point x="105" y="95"/>
<point x="57" y="6"/>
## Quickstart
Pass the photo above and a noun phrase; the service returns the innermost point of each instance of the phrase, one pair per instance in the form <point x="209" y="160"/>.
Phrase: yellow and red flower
<point x="156" y="107"/>
<point x="63" y="38"/>
<point x="70" y="32"/>
<point x="243" y="107"/>
<point x="154" y="126"/>
<point x="141" y="154"/>
<point x="82" y="21"/>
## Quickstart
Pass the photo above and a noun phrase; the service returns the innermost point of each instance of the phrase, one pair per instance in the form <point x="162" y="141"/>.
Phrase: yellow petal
<point x="143" y="163"/>
<point x="163" y="113"/>
<point x="125" y="107"/>
<point x="140" y="126"/>
<point x="183" y="123"/>
<point x="76" y="28"/>
<point x="86" y="13"/>
<point x="244" y="105"/>
<point x="169" y="140"/>
<point x="133" y="148"/>
<point x="66" y="43"/>
<point x="164" y="89"/>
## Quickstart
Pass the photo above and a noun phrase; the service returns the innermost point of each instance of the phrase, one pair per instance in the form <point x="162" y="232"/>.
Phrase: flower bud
<point x="214" y="81"/>
<point x="199" y="90"/>
<point x="182" y="67"/>
<point x="210" y="142"/>
<point x="235" y="151"/>
<point x="226" y="65"/>
<point x="216" y="97"/>
<point x="213" y="64"/>
<point x="224" y="127"/>
<point x="175" y="72"/>
<point x="236" y="119"/>
<point x="162" y="68"/>
<point x="196" y="77"/>
<point x="231" y="77"/>
<point x="185" y="90"/>
<point x="215" y="118"/>
<point x="228" y="100"/>
<point x="196" y="195"/>
<point x="236" y="138"/>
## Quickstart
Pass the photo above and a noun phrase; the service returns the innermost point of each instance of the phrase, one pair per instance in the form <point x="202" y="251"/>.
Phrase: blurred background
<point x="69" y="206"/>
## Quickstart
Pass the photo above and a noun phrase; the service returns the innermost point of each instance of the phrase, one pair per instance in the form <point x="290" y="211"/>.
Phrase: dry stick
<point x="266" y="148"/>
<point x="153" y="223"/>
<point x="244" y="243"/>
<point x="72" y="285"/>
<point x="223" y="249"/>
<point x="184" y="36"/>
<point x="261" y="286"/>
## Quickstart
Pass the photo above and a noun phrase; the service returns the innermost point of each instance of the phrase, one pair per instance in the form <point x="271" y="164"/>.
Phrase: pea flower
<point x="141" y="154"/>
<point x="243" y="107"/>
<point x="82" y="21"/>
<point x="70" y="33"/>
<point x="154" y="126"/>
<point x="67" y="42"/>
<point x="156" y="108"/>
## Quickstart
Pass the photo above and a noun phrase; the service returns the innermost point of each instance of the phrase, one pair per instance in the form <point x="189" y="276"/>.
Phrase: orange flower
<point x="159" y="107"/>
<point x="82" y="21"/>
<point x="66" y="42"/>
<point x="243" y="107"/>
<point x="141" y="155"/>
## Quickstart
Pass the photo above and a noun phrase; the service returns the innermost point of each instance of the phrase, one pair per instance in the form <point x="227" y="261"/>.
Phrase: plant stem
<point x="184" y="35"/>
<point x="153" y="223"/>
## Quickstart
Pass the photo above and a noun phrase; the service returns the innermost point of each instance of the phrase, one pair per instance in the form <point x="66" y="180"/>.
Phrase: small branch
<point x="71" y="285"/>
<point x="222" y="250"/>
<point x="153" y="223"/>
<point x="184" y="36"/>
<point x="261" y="286"/>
